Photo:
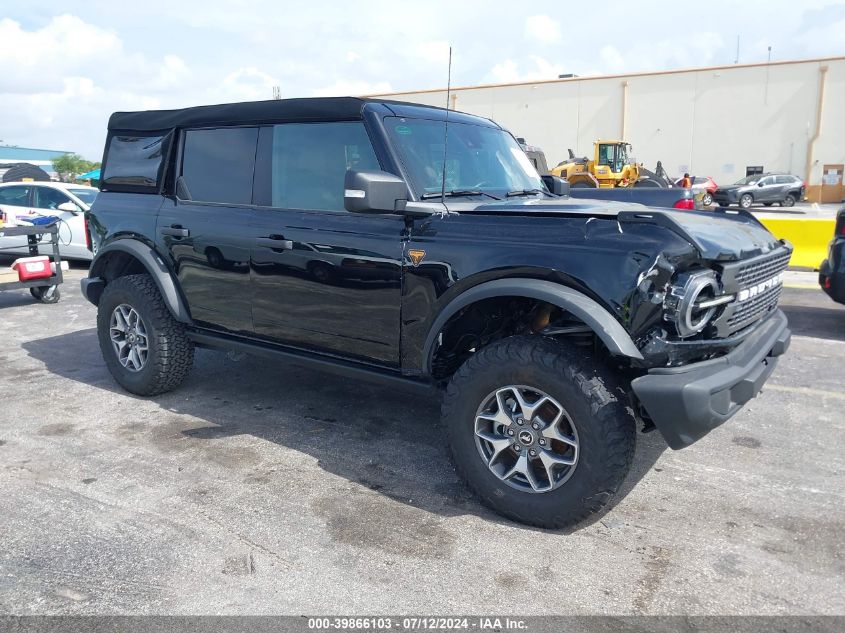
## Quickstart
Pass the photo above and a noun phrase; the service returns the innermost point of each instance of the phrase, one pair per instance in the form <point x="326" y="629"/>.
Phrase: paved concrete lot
<point x="260" y="488"/>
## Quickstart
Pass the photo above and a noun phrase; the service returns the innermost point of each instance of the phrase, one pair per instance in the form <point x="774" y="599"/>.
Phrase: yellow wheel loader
<point x="610" y="167"/>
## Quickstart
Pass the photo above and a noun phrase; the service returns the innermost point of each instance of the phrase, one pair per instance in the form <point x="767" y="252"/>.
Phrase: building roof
<point x="23" y="154"/>
<point x="819" y="60"/>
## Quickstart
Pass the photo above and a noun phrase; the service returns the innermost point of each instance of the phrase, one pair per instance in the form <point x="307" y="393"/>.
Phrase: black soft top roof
<point x="257" y="112"/>
<point x="306" y="110"/>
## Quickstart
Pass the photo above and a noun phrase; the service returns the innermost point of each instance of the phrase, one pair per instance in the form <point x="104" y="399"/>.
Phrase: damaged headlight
<point x="692" y="300"/>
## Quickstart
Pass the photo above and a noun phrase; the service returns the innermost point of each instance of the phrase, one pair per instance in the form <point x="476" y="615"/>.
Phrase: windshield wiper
<point x="457" y="192"/>
<point x="528" y="192"/>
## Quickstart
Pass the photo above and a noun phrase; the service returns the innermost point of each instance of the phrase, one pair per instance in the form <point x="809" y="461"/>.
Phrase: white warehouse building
<point x="722" y="121"/>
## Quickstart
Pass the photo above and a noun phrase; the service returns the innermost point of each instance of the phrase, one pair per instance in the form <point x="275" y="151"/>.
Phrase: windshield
<point x="86" y="195"/>
<point x="479" y="158"/>
<point x="748" y="180"/>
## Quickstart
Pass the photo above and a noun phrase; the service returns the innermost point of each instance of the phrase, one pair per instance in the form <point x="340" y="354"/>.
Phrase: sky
<point x="67" y="65"/>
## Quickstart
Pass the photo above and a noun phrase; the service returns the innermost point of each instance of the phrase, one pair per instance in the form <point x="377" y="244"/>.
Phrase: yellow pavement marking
<point x="808" y="391"/>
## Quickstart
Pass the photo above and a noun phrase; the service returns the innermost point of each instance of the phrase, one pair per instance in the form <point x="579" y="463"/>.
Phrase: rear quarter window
<point x="134" y="162"/>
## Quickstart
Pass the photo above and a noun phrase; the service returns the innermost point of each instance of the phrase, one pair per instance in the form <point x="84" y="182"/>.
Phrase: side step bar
<point x="300" y="358"/>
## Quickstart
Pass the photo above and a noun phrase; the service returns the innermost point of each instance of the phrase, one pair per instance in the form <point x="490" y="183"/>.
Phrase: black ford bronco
<point x="415" y="245"/>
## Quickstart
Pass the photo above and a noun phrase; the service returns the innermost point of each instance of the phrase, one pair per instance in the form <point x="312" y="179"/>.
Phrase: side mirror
<point x="69" y="207"/>
<point x="373" y="192"/>
<point x="556" y="185"/>
<point x="760" y="184"/>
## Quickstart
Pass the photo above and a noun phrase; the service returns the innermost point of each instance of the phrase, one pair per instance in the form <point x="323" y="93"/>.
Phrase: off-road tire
<point x="595" y="403"/>
<point x="171" y="352"/>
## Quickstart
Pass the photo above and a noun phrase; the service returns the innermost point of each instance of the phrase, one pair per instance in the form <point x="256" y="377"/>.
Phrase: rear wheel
<point x="746" y="200"/>
<point x="146" y="350"/>
<point x="789" y="201"/>
<point x="539" y="431"/>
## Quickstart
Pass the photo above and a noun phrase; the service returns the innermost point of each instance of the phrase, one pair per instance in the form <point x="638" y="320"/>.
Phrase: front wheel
<point x="746" y="200"/>
<point x="707" y="199"/>
<point x="146" y="350"/>
<point x="539" y="431"/>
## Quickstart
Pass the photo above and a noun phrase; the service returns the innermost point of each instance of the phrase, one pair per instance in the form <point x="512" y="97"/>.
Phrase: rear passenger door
<point x="324" y="279"/>
<point x="206" y="229"/>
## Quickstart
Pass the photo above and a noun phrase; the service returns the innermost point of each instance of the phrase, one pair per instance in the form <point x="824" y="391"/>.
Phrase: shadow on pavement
<point x="817" y="322"/>
<point x="384" y="439"/>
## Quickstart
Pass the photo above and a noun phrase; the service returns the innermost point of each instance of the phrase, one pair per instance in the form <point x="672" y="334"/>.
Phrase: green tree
<point x="69" y="166"/>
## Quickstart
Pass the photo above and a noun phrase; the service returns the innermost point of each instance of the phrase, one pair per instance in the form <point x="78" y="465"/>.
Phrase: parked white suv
<point x="35" y="201"/>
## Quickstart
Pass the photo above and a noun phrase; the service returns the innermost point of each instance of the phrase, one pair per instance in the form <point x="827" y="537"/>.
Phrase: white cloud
<point x="435" y="52"/>
<point x="246" y="84"/>
<point x="543" y="28"/>
<point x="38" y="59"/>
<point x="510" y="71"/>
<point x="351" y="88"/>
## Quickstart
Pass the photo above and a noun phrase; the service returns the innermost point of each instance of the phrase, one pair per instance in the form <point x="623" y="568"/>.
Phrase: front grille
<point x="753" y="309"/>
<point x="740" y="276"/>
<point x="757" y="272"/>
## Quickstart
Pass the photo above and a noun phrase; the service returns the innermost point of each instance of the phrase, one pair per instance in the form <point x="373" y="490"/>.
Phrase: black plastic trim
<point x="157" y="269"/>
<point x="686" y="403"/>
<point x="350" y="369"/>
<point x="604" y="324"/>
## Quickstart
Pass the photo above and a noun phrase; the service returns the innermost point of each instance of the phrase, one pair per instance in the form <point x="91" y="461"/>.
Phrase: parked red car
<point x="702" y="182"/>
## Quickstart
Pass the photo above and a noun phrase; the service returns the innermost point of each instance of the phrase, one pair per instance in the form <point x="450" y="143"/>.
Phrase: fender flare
<point x="157" y="269"/>
<point x="604" y="324"/>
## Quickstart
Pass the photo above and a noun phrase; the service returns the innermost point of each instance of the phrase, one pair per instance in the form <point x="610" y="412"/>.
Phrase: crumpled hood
<point x="718" y="235"/>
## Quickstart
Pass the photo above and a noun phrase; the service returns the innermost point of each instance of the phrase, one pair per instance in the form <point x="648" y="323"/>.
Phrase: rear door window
<point x="17" y="196"/>
<point x="218" y="164"/>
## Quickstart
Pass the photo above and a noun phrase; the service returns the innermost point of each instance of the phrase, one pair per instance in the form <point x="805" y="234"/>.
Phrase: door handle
<point x="276" y="242"/>
<point x="175" y="230"/>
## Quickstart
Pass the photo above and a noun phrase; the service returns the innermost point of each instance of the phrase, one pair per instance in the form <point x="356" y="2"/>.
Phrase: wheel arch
<point x="604" y="324"/>
<point x="130" y="256"/>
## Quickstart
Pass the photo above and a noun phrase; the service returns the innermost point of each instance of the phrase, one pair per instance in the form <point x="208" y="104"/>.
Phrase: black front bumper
<point x="686" y="403"/>
<point x="92" y="288"/>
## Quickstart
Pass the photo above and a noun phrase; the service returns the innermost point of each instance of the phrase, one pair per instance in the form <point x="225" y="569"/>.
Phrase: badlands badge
<point x="416" y="256"/>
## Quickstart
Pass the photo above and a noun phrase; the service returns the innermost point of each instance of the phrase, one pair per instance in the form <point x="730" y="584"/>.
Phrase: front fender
<point x="604" y="324"/>
<point x="164" y="278"/>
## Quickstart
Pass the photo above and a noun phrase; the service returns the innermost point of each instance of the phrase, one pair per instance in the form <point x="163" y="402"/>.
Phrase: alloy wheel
<point x="128" y="336"/>
<point x="526" y="438"/>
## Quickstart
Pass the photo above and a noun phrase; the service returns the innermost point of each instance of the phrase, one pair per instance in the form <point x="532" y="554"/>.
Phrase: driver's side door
<point x="323" y="279"/>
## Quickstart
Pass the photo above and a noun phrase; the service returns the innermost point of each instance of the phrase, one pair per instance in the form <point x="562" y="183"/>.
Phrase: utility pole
<point x="736" y="59"/>
<point x="277" y="92"/>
